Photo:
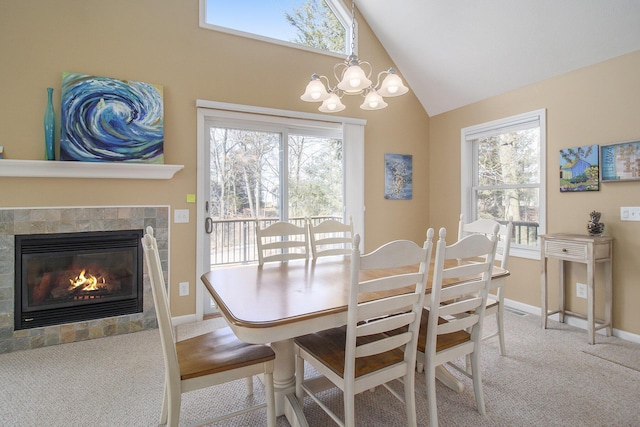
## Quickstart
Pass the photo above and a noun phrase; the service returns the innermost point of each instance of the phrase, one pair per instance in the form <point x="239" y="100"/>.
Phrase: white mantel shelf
<point x="64" y="169"/>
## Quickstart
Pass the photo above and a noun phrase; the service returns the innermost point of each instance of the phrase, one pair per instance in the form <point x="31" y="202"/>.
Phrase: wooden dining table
<point x="276" y="302"/>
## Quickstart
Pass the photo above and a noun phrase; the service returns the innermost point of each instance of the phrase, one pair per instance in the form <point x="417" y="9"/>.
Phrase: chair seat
<point x="443" y="341"/>
<point x="218" y="351"/>
<point x="329" y="347"/>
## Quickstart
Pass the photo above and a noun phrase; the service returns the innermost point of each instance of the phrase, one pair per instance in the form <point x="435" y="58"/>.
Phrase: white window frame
<point x="353" y="161"/>
<point x="338" y="7"/>
<point x="469" y="160"/>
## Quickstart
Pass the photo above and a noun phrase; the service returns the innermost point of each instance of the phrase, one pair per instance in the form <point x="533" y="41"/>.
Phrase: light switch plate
<point x="181" y="216"/>
<point x="630" y="213"/>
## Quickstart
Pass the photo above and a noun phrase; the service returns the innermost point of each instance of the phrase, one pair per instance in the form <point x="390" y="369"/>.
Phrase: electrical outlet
<point x="184" y="289"/>
<point x="181" y="216"/>
<point x="581" y="290"/>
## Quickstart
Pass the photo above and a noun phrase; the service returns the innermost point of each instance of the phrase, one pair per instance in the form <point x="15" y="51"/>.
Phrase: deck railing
<point x="525" y="233"/>
<point x="233" y="241"/>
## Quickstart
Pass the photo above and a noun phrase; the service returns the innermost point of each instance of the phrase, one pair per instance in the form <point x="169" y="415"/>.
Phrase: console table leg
<point x="608" y="297"/>
<point x="590" y="305"/>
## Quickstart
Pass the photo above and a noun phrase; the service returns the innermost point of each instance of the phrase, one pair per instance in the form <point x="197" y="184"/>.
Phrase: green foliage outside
<point x="317" y="26"/>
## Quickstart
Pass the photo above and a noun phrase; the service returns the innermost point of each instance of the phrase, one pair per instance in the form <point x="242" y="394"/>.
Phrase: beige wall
<point x="159" y="41"/>
<point x="595" y="105"/>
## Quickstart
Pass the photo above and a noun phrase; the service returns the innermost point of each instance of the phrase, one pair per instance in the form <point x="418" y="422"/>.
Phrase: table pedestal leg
<point x="284" y="380"/>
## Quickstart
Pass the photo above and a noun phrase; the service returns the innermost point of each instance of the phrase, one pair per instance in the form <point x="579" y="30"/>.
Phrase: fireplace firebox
<point x="72" y="277"/>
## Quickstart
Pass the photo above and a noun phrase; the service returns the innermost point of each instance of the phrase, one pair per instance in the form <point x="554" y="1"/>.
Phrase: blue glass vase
<point x="49" y="127"/>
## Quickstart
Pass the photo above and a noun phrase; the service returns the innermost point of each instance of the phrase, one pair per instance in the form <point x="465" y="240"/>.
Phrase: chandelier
<point x="352" y="80"/>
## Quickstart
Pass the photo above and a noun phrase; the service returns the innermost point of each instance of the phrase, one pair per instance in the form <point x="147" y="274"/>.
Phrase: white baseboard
<point x="181" y="320"/>
<point x="570" y="320"/>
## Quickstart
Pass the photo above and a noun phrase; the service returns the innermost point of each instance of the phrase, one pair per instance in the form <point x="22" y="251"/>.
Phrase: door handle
<point x="208" y="225"/>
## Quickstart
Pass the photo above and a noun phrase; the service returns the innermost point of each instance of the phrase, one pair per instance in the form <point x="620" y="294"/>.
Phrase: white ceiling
<point x="456" y="52"/>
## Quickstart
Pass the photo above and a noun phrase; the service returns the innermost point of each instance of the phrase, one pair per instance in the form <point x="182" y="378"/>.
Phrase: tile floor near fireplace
<point x="21" y="221"/>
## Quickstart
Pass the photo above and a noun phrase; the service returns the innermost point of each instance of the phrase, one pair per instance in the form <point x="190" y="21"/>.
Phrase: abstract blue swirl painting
<point x="109" y="120"/>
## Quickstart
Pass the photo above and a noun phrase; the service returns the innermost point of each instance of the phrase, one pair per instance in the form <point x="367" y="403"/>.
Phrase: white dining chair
<point x="361" y="355"/>
<point x="330" y="237"/>
<point x="495" y="301"/>
<point x="206" y="360"/>
<point x="451" y="327"/>
<point x="281" y="241"/>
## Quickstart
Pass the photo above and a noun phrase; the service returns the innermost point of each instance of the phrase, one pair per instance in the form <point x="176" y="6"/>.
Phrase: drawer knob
<point x="564" y="250"/>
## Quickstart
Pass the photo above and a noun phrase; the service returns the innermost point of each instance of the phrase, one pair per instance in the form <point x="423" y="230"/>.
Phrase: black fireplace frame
<point x="25" y="318"/>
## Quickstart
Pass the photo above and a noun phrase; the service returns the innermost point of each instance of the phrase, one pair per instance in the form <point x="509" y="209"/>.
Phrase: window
<point x="503" y="175"/>
<point x="277" y="172"/>
<point x="323" y="25"/>
<point x="273" y="165"/>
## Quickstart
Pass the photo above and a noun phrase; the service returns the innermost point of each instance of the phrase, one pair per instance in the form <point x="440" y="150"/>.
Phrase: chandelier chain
<point x="353" y="26"/>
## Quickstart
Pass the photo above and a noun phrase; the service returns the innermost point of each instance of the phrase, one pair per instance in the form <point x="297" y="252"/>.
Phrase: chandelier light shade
<point x="392" y="85"/>
<point x="373" y="101"/>
<point x="353" y="80"/>
<point x="315" y="91"/>
<point x="332" y="104"/>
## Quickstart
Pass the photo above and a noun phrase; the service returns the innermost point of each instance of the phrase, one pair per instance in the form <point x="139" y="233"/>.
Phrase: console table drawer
<point x="568" y="250"/>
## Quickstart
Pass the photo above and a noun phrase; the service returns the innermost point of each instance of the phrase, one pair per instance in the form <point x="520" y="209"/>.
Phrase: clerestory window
<point x="323" y="25"/>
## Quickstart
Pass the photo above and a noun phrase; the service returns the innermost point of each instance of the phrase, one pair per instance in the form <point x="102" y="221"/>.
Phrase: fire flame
<point x="88" y="282"/>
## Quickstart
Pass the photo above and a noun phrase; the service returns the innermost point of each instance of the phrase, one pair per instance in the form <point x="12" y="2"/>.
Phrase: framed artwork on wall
<point x="620" y="162"/>
<point x="398" y="176"/>
<point x="579" y="169"/>
<point x="110" y="120"/>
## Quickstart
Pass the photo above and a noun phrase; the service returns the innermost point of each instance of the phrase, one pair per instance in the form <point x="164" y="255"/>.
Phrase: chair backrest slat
<point x="387" y="283"/>
<point x="330" y="237"/>
<point x="383" y="345"/>
<point x="467" y="287"/>
<point x="385" y="323"/>
<point x="386" y="306"/>
<point x="461" y="324"/>
<point x="281" y="241"/>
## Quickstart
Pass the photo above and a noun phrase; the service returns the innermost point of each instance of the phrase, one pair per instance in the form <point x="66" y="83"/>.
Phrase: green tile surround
<point x="67" y="220"/>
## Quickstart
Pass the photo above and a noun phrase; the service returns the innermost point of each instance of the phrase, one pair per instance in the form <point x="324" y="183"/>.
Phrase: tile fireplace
<point x="123" y="283"/>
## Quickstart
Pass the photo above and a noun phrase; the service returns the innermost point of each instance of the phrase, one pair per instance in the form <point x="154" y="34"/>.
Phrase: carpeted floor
<point x="549" y="378"/>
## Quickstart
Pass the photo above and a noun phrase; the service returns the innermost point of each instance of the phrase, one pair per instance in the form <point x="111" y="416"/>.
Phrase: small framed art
<point x="579" y="169"/>
<point x="620" y="162"/>
<point x="398" y="180"/>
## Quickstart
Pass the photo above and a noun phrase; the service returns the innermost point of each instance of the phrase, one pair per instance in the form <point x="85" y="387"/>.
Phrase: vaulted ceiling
<point x="456" y="52"/>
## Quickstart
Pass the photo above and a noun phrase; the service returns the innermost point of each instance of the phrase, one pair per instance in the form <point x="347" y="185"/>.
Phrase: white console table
<point x="582" y="249"/>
